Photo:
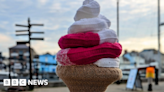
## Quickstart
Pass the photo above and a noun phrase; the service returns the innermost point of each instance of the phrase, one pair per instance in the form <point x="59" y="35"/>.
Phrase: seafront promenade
<point x="111" y="88"/>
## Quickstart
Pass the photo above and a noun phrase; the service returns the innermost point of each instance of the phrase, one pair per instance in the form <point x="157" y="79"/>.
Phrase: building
<point x="21" y="52"/>
<point x="19" y="57"/>
<point x="47" y="63"/>
<point x="1" y="57"/>
<point x="132" y="58"/>
<point x="151" y="55"/>
<point x="2" y="64"/>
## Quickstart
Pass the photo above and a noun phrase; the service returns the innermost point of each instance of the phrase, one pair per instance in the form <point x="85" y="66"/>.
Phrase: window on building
<point x="54" y="57"/>
<point x="20" y="52"/>
<point x="26" y="54"/>
<point x="20" y="57"/>
<point x="14" y="51"/>
<point x="46" y="59"/>
<point x="14" y="57"/>
<point x="53" y="70"/>
<point x="42" y="69"/>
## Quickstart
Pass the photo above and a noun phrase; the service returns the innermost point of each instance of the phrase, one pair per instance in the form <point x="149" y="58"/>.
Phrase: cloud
<point x="55" y="7"/>
<point x="5" y="42"/>
<point x="3" y="24"/>
<point x="139" y="44"/>
<point x="138" y="8"/>
<point x="54" y="27"/>
<point x="43" y="1"/>
<point x="59" y="7"/>
<point x="42" y="47"/>
<point x="106" y="4"/>
<point x="4" y="38"/>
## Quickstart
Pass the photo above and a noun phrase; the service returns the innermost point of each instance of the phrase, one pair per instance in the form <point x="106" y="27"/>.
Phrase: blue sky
<point x="138" y="22"/>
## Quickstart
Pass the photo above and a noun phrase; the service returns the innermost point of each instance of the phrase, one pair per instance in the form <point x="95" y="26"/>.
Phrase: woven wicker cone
<point x="88" y="78"/>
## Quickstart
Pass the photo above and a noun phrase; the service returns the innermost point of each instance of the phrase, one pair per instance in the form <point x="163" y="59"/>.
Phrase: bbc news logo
<point x="23" y="82"/>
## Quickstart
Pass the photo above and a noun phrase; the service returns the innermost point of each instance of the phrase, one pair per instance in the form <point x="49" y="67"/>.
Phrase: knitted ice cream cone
<point x="88" y="78"/>
<point x="88" y="59"/>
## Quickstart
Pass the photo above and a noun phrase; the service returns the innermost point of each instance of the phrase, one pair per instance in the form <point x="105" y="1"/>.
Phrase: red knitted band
<point x="79" y="40"/>
<point x="81" y="56"/>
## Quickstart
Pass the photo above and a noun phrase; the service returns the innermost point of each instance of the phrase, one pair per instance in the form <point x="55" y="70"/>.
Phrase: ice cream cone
<point x="88" y="78"/>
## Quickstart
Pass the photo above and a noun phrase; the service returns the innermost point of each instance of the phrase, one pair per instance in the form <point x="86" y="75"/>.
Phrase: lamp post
<point x="159" y="41"/>
<point x="118" y="19"/>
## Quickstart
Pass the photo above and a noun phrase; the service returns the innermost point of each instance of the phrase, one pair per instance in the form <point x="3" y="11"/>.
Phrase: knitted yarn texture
<point x="87" y="39"/>
<point x="89" y="9"/>
<point x="107" y="20"/>
<point x="88" y="78"/>
<point x="88" y="59"/>
<point x="82" y="56"/>
<point x="87" y="25"/>
<point x="107" y="62"/>
<point x="79" y="40"/>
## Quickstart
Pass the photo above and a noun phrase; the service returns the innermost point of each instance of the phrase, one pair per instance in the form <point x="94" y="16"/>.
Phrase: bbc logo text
<point x="23" y="82"/>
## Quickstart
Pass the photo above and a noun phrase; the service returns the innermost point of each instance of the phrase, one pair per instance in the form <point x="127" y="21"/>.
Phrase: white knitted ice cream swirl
<point x="107" y="35"/>
<point x="89" y="9"/>
<point x="87" y="18"/>
<point x="107" y="62"/>
<point x="88" y="25"/>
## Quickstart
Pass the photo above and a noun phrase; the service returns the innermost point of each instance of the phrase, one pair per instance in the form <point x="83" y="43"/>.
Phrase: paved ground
<point x="111" y="88"/>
